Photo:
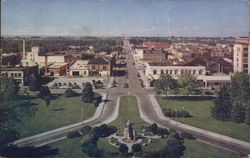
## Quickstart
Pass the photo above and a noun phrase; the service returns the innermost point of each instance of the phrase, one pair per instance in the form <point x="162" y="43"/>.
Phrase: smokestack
<point x="24" y="54"/>
<point x="46" y="65"/>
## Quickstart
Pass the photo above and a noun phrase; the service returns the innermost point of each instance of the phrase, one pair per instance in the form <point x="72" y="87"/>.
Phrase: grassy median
<point x="200" y="109"/>
<point x="129" y="111"/>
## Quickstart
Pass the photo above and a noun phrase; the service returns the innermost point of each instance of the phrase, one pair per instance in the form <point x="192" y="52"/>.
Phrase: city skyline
<point x="131" y="17"/>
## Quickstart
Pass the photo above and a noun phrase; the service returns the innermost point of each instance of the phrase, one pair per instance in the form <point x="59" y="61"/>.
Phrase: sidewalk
<point x="160" y="114"/>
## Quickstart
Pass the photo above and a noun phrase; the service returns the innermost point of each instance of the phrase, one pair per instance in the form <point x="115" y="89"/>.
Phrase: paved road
<point x="146" y="107"/>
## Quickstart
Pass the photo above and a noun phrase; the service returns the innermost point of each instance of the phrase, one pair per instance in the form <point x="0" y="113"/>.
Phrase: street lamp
<point x="176" y="116"/>
<point x="82" y="114"/>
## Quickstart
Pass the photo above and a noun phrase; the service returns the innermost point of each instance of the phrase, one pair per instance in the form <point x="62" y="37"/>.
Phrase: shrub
<point x="74" y="134"/>
<point x="136" y="148"/>
<point x="187" y="136"/>
<point x="70" y="93"/>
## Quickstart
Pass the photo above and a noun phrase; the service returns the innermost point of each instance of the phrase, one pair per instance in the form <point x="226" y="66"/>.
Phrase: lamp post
<point x="176" y="116"/>
<point x="82" y="115"/>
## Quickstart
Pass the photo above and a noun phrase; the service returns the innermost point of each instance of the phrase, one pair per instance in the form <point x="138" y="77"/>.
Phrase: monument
<point x="129" y="133"/>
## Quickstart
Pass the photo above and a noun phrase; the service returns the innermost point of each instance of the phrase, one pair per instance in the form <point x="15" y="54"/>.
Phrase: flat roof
<point x="57" y="65"/>
<point x="80" y="64"/>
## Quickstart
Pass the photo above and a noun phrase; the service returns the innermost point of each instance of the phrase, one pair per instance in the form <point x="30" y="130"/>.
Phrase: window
<point x="245" y="49"/>
<point x="154" y="72"/>
<point x="19" y="75"/>
<point x="166" y="71"/>
<point x="245" y="55"/>
<point x="200" y="72"/>
<point x="93" y="67"/>
<point x="162" y="72"/>
<point x="182" y="72"/>
<point x="245" y="65"/>
<point x="171" y="72"/>
<point x="245" y="71"/>
<point x="104" y="67"/>
<point x="175" y="71"/>
<point x="194" y="72"/>
<point x="84" y="72"/>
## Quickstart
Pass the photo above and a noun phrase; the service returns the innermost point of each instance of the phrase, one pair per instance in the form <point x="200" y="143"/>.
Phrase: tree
<point x="44" y="92"/>
<point x="238" y="113"/>
<point x="69" y="93"/>
<point x="173" y="149"/>
<point x="87" y="93"/>
<point x="136" y="148"/>
<point x="189" y="85"/>
<point x="153" y="128"/>
<point x="104" y="131"/>
<point x="123" y="148"/>
<point x="34" y="84"/>
<point x="240" y="88"/>
<point x="90" y="148"/>
<point x="11" y="111"/>
<point x="223" y="105"/>
<point x="247" y="117"/>
<point x="166" y="84"/>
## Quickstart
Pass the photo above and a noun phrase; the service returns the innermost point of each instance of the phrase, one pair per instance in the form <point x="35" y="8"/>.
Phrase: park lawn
<point x="61" y="112"/>
<point x="200" y="110"/>
<point x="197" y="149"/>
<point x="128" y="111"/>
<point x="71" y="147"/>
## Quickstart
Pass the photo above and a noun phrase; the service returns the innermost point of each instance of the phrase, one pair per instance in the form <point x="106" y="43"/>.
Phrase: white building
<point x="241" y="55"/>
<point x="36" y="57"/>
<point x="79" y="69"/>
<point x="138" y="52"/>
<point x="155" y="69"/>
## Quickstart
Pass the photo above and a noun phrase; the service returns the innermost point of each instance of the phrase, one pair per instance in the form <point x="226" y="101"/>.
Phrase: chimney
<point x="46" y="65"/>
<point x="24" y="54"/>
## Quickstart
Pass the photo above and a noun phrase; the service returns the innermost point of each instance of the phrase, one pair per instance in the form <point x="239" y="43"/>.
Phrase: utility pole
<point x="82" y="114"/>
<point x="176" y="116"/>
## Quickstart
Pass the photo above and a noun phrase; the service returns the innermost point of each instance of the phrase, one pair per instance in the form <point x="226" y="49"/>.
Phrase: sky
<point x="213" y="18"/>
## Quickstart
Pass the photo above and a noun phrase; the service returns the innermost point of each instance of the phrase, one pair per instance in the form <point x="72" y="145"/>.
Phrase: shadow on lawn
<point x="29" y="152"/>
<point x="189" y="98"/>
<point x="59" y="109"/>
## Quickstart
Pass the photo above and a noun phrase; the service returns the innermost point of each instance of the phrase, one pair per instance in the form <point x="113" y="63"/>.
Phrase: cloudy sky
<point x="126" y="17"/>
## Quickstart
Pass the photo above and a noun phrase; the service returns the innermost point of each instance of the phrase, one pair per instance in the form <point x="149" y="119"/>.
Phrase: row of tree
<point x="233" y="102"/>
<point x="12" y="109"/>
<point x="186" y="85"/>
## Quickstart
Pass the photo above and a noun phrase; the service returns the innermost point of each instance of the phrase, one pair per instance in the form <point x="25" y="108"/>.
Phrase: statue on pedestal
<point x="129" y="133"/>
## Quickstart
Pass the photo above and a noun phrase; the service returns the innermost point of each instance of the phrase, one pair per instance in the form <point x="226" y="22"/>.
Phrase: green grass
<point x="128" y="111"/>
<point x="200" y="110"/>
<point x="196" y="149"/>
<point x="62" y="111"/>
<point x="69" y="148"/>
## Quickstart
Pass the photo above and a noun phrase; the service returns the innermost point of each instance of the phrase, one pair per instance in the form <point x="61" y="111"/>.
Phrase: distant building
<point x="79" y="69"/>
<point x="22" y="75"/>
<point x="241" y="55"/>
<point x="157" y="45"/>
<point x="155" y="69"/>
<point x="57" y="69"/>
<point x="100" y="66"/>
<point x="11" y="59"/>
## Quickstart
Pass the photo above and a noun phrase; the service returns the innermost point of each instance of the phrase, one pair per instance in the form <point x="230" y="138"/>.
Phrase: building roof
<point x="57" y="65"/>
<point x="196" y="62"/>
<point x="165" y="63"/>
<point x="99" y="60"/>
<point x="156" y="45"/>
<point x="80" y="64"/>
<point x="224" y="62"/>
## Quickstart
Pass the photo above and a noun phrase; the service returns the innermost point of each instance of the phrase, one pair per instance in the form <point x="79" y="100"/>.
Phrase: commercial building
<point x="241" y="55"/>
<point x="79" y="69"/>
<point x="20" y="74"/>
<point x="100" y="66"/>
<point x="57" y="69"/>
